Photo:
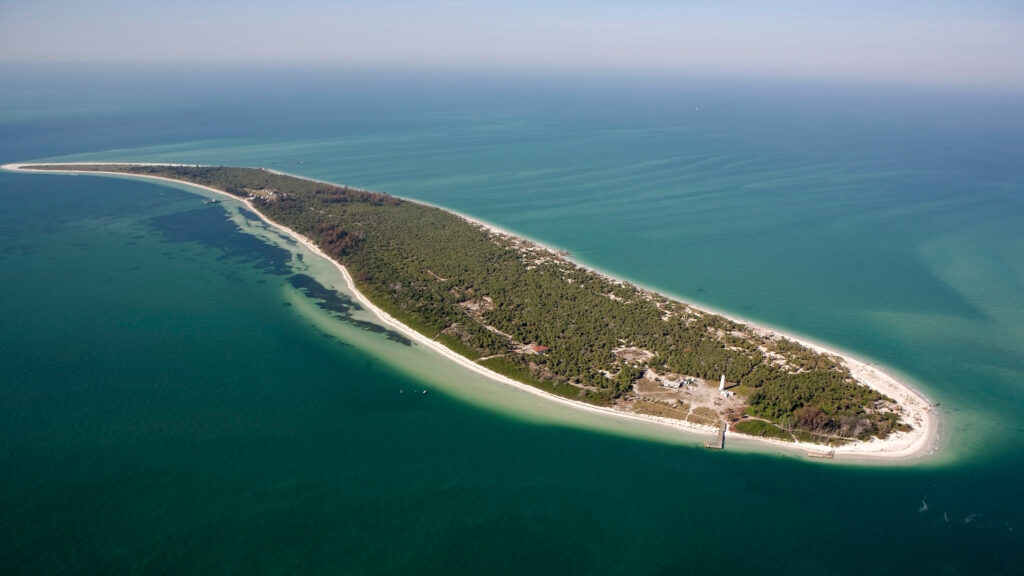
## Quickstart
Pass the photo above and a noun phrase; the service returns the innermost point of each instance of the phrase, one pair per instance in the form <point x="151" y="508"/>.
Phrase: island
<point x="521" y="312"/>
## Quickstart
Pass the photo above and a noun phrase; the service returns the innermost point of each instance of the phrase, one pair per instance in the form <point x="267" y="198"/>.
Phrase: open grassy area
<point x="763" y="429"/>
<point x="662" y="409"/>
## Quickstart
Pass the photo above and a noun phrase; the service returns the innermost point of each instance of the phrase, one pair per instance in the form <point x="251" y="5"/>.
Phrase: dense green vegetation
<point x="489" y="296"/>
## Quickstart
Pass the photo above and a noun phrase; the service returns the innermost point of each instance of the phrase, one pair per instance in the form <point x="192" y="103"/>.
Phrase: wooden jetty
<point x="718" y="444"/>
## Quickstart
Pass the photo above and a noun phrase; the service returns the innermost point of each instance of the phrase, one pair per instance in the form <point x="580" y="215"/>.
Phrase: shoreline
<point x="898" y="448"/>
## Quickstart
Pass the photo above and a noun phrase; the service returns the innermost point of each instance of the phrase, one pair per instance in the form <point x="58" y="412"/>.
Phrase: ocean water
<point x="184" y="390"/>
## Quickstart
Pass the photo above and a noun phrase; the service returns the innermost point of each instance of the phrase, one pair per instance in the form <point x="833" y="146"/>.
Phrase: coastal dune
<point x="916" y="410"/>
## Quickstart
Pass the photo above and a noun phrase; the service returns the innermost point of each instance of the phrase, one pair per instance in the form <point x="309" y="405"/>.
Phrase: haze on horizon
<point x="959" y="44"/>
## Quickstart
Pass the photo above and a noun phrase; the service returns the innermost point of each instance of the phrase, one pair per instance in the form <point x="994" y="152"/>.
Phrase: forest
<point x="532" y="314"/>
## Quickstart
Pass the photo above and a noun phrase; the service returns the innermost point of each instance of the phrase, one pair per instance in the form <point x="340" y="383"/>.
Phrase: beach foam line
<point x="921" y="441"/>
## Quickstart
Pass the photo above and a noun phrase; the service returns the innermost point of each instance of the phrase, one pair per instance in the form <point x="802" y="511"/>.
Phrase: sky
<point x="976" y="43"/>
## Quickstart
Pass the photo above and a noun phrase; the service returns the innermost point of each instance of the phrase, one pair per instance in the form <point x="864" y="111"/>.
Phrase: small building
<point x="537" y="349"/>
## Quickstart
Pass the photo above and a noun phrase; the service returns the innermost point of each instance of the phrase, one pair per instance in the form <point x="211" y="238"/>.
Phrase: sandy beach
<point x="899" y="447"/>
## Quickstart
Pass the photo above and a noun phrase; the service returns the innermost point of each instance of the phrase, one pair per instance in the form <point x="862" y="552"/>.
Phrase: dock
<point x="719" y="443"/>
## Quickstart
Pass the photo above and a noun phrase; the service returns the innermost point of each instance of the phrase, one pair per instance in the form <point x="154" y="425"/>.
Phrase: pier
<point x="718" y="444"/>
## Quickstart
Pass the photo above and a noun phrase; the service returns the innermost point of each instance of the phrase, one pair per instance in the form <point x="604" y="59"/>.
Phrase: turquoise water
<point x="175" y="398"/>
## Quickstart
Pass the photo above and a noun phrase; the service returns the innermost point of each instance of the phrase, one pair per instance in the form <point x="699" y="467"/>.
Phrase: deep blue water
<point x="166" y="406"/>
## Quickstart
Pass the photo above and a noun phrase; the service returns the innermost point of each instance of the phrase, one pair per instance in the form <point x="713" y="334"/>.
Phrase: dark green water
<point x="173" y="400"/>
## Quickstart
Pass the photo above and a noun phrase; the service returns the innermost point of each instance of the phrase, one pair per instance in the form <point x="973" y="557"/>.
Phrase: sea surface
<point x="185" y="390"/>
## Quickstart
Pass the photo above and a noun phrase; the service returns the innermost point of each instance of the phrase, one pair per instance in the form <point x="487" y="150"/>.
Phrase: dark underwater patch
<point x="250" y="215"/>
<point x="341" y="306"/>
<point x="210" y="227"/>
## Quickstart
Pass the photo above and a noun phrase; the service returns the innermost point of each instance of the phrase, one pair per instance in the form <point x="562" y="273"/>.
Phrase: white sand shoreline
<point x="899" y="447"/>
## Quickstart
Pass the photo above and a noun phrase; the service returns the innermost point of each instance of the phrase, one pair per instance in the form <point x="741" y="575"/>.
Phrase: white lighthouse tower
<point x="721" y="384"/>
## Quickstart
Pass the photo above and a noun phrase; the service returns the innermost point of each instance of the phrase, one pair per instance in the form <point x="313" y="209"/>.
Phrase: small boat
<point x="211" y="201"/>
